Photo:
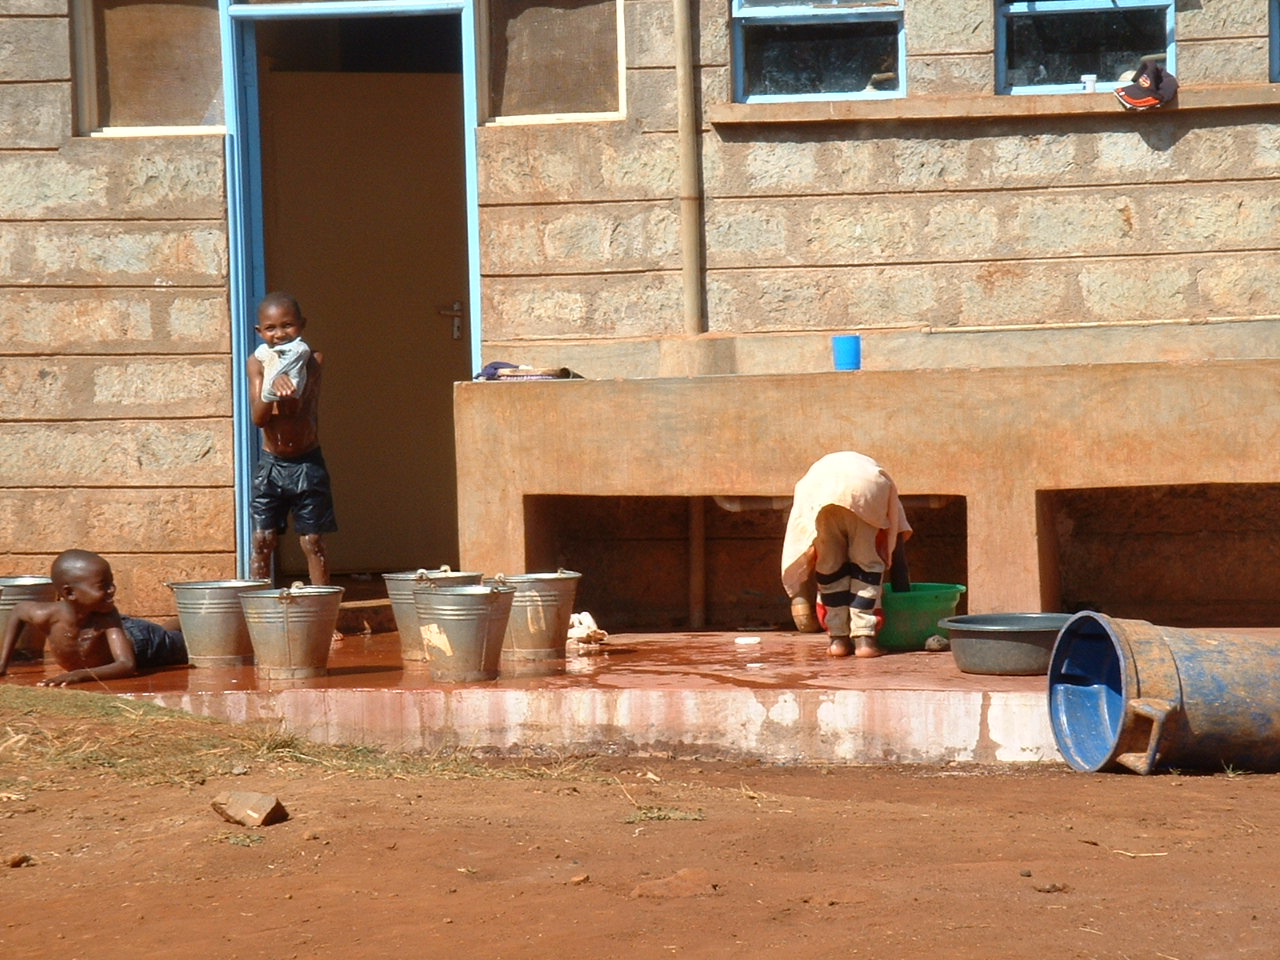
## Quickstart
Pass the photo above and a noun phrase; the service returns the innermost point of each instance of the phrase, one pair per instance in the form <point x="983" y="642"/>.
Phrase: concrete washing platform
<point x="780" y="699"/>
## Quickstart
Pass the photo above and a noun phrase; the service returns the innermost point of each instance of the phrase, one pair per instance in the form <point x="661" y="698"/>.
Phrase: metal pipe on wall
<point x="688" y="132"/>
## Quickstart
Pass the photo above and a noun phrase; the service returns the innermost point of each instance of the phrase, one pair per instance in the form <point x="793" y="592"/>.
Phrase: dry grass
<point x="44" y="731"/>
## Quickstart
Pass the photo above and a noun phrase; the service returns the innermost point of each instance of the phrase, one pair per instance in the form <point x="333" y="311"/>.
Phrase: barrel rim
<point x="303" y="591"/>
<point x="214" y="584"/>
<point x="561" y="575"/>
<point x="461" y="589"/>
<point x="429" y="574"/>
<point x="1097" y="758"/>
<point x="990" y="622"/>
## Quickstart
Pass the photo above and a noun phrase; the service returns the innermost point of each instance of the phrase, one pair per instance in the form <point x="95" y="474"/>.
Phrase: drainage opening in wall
<point x="1188" y="555"/>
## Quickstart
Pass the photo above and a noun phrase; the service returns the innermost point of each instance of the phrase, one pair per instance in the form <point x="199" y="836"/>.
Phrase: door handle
<point x="454" y="311"/>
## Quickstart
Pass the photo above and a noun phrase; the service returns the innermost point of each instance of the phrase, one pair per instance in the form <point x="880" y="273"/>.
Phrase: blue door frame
<point x="247" y="266"/>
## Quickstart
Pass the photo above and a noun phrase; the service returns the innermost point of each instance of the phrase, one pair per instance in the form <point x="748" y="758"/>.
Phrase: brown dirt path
<point x="607" y="858"/>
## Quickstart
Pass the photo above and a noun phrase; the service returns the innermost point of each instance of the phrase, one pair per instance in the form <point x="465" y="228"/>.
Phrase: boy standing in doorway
<point x="291" y="477"/>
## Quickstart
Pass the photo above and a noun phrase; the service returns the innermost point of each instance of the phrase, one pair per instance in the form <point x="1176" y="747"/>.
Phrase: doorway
<point x="364" y="219"/>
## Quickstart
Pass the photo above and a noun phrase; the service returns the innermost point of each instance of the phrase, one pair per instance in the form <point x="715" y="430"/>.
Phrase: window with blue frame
<point x="801" y="50"/>
<point x="1275" y="41"/>
<point x="1050" y="46"/>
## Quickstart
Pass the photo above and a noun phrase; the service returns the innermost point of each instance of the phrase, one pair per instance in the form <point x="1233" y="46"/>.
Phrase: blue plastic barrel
<point x="1126" y="694"/>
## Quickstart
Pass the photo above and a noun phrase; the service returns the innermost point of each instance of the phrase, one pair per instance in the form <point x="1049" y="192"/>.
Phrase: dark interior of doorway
<point x="424" y="44"/>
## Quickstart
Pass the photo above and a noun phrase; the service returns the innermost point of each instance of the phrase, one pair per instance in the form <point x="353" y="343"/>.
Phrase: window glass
<point x="820" y="58"/>
<point x="1049" y="46"/>
<point x="153" y="63"/>
<point x="1059" y="48"/>
<point x="797" y="50"/>
<point x="553" y="57"/>
<point x="1275" y="40"/>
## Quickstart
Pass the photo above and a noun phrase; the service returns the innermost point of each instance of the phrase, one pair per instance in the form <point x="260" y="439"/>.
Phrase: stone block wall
<point x="115" y="379"/>
<point x="1056" y="216"/>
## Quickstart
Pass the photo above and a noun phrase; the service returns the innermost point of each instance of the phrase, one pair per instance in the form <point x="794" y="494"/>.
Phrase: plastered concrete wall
<point x="997" y="437"/>
<point x="115" y="380"/>
<point x="886" y="226"/>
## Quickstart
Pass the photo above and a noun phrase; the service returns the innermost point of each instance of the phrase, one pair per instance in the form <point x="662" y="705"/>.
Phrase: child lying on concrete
<point x="83" y="631"/>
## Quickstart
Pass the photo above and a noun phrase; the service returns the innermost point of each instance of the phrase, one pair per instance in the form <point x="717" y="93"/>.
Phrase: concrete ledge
<point x="999" y="437"/>
<point x="787" y="726"/>
<point x="779" y="699"/>
<point x="915" y="348"/>
<point x="987" y="106"/>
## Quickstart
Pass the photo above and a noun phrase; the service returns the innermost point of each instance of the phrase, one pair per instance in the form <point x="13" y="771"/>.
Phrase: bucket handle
<point x="499" y="581"/>
<point x="288" y="594"/>
<point x="1146" y="711"/>
<point x="424" y="574"/>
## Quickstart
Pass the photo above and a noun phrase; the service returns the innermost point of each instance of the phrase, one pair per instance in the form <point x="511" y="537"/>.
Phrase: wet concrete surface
<point x="781" y="699"/>
<point x="683" y="661"/>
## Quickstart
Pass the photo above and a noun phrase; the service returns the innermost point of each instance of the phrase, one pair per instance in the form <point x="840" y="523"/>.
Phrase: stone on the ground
<point x="249" y="809"/>
<point x="688" y="882"/>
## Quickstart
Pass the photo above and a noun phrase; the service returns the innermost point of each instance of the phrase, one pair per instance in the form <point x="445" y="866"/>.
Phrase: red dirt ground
<point x="636" y="858"/>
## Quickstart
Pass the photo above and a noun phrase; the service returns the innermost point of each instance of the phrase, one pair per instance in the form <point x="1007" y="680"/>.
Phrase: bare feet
<point x="866" y="647"/>
<point x="840" y="647"/>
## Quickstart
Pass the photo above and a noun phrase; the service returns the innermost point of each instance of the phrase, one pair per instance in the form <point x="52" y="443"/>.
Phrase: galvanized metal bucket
<point x="14" y="590"/>
<point x="291" y="630"/>
<point x="461" y="628"/>
<point x="212" y="619"/>
<point x="540" y="612"/>
<point x="400" y="593"/>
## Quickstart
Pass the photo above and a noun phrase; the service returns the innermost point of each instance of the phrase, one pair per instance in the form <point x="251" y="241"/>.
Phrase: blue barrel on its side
<point x="1130" y="695"/>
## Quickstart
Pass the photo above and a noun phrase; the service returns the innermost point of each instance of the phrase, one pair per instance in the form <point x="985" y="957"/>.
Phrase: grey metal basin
<point x="1006" y="644"/>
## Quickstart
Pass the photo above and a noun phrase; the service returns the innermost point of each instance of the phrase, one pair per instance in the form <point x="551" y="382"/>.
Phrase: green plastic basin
<point x="912" y="618"/>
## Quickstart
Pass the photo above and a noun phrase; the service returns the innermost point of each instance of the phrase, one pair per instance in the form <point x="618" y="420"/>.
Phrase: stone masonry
<point x="115" y="376"/>
<point x="1070" y="213"/>
<point x="954" y="228"/>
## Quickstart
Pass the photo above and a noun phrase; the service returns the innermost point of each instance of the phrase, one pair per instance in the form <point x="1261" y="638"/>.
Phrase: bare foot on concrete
<point x="866" y="647"/>
<point x="840" y="647"/>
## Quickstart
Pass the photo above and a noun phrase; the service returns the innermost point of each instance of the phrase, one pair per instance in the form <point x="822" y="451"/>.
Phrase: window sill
<point x="123" y="132"/>
<point x="984" y="106"/>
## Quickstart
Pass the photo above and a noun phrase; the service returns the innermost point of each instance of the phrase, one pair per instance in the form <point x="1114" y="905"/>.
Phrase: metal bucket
<point x="1126" y="694"/>
<point x="461" y="628"/>
<point x="540" y="612"/>
<point x="12" y="591"/>
<point x="291" y="630"/>
<point x="400" y="593"/>
<point x="213" y="621"/>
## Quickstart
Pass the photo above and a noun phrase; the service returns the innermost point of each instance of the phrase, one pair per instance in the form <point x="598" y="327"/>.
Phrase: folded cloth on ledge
<point x="501" y="370"/>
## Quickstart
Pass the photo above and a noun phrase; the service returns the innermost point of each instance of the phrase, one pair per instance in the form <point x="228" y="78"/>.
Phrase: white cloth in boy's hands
<point x="287" y="359"/>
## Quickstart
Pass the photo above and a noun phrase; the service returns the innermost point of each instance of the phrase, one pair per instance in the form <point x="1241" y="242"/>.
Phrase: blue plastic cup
<point x="846" y="350"/>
